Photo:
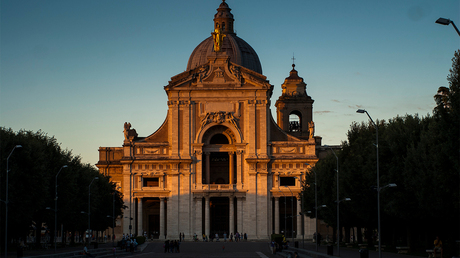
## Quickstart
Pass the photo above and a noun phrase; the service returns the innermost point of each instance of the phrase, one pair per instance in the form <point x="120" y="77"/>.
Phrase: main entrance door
<point x="219" y="216"/>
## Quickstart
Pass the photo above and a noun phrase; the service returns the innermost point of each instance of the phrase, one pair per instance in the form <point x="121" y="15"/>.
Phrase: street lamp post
<point x="444" y="21"/>
<point x="113" y="216"/>
<point x="316" y="213"/>
<point x="89" y="210"/>
<point x="55" y="209"/>
<point x="361" y="111"/>
<point x="6" y="200"/>
<point x="292" y="214"/>
<point x="338" y="206"/>
<point x="301" y="209"/>
<point x="378" y="179"/>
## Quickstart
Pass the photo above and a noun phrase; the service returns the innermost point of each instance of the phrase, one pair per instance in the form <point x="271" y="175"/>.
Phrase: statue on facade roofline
<point x="311" y="129"/>
<point x="128" y="132"/>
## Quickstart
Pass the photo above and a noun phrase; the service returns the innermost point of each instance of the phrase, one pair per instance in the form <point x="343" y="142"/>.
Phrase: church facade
<point x="219" y="163"/>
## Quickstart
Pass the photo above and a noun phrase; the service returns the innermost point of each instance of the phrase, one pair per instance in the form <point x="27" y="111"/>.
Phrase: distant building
<point x="219" y="163"/>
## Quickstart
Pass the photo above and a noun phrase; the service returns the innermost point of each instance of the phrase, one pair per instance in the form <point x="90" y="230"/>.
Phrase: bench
<point x="362" y="246"/>
<point x="402" y="249"/>
<point x="377" y="247"/>
<point x="431" y="253"/>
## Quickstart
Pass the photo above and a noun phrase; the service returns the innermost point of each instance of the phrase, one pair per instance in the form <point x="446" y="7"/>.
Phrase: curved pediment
<point x="219" y="73"/>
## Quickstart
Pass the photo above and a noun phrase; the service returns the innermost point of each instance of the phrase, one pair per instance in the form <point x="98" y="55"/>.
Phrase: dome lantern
<point x="223" y="19"/>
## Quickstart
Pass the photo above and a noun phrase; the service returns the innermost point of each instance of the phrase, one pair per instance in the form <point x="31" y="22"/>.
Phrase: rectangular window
<point x="151" y="182"/>
<point x="287" y="181"/>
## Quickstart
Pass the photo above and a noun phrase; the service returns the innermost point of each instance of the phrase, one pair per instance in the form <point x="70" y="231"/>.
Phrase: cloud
<point x="322" y="112"/>
<point x="355" y="106"/>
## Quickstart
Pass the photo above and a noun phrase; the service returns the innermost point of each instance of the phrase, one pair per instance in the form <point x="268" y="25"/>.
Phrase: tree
<point x="420" y="155"/>
<point x="32" y="180"/>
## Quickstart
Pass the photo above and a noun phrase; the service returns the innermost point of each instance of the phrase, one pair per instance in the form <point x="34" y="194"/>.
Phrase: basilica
<point x="219" y="163"/>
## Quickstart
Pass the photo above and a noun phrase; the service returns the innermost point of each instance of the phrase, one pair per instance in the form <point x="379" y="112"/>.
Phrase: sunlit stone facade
<point x="219" y="163"/>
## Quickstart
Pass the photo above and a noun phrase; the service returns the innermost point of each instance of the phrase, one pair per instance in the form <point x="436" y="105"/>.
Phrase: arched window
<point x="223" y="26"/>
<point x="218" y="139"/>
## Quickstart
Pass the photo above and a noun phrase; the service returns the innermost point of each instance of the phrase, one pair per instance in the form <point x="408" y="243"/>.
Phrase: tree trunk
<point x="347" y="235"/>
<point x="359" y="235"/>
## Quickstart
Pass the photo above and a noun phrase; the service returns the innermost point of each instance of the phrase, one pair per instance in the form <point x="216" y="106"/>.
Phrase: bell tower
<point x="294" y="108"/>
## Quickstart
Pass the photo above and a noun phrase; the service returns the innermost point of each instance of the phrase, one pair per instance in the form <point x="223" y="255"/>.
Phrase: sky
<point x="78" y="70"/>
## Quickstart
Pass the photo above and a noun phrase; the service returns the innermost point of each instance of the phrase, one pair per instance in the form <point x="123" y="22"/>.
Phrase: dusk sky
<point x="78" y="70"/>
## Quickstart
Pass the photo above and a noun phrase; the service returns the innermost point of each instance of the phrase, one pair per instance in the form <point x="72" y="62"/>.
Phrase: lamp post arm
<point x="455" y="27"/>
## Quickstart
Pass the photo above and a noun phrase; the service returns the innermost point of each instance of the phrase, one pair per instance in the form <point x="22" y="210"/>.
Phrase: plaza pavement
<point x="249" y="249"/>
<point x="308" y="250"/>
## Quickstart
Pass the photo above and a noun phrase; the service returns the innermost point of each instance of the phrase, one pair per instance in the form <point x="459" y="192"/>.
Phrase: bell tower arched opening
<point x="295" y="121"/>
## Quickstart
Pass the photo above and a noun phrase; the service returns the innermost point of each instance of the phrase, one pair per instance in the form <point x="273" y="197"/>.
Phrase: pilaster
<point x="207" y="228"/>
<point x="299" y="220"/>
<point x="140" y="225"/>
<point x="162" y="218"/>
<point x="231" y="216"/>
<point x="277" y="215"/>
<point x="198" y="216"/>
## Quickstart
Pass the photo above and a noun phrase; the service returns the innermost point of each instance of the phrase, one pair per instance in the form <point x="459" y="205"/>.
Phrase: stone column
<point x="208" y="167"/>
<point x="277" y="215"/>
<point x="207" y="225"/>
<point x="140" y="228"/>
<point x="299" y="220"/>
<point x="162" y="217"/>
<point x="231" y="166"/>
<point x="231" y="216"/>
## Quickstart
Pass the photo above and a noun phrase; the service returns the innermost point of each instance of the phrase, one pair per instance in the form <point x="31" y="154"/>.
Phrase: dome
<point x="240" y="52"/>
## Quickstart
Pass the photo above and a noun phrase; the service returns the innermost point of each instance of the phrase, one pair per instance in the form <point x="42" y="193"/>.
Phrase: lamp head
<point x="64" y="166"/>
<point x="18" y="146"/>
<point x="347" y="199"/>
<point x="392" y="185"/>
<point x="362" y="111"/>
<point x="443" y="21"/>
<point x="323" y="206"/>
<point x="96" y="178"/>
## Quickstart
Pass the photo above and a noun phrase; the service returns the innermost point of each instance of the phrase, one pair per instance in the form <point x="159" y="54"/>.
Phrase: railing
<point x="217" y="187"/>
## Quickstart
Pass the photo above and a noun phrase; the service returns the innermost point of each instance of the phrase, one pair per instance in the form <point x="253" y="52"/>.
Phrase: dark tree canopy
<point x="420" y="155"/>
<point x="32" y="185"/>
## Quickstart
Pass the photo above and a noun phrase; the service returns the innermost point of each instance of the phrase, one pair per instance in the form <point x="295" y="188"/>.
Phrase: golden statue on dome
<point x="218" y="38"/>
